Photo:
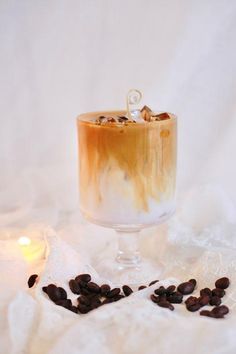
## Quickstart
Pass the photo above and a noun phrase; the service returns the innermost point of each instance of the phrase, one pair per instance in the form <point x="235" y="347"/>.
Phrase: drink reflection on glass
<point x="127" y="170"/>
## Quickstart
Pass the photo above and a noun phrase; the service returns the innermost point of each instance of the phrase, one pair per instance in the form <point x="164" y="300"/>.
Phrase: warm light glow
<point x="24" y="241"/>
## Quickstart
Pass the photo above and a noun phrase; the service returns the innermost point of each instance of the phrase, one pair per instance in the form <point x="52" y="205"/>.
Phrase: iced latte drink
<point x="127" y="167"/>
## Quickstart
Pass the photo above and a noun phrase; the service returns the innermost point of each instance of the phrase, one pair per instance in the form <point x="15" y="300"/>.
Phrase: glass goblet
<point x="127" y="174"/>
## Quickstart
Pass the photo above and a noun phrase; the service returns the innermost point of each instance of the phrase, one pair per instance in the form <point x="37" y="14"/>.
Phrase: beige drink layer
<point x="143" y="153"/>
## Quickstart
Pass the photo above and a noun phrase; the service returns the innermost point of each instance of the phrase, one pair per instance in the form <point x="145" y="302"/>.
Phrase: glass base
<point x="134" y="275"/>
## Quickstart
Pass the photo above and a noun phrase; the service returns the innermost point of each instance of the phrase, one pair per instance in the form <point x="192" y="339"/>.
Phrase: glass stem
<point x="128" y="250"/>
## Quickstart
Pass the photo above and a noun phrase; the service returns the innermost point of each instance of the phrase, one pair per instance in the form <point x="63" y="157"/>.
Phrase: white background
<point x="61" y="58"/>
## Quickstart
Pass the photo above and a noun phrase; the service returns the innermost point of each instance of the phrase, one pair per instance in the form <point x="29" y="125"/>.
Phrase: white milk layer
<point x="117" y="204"/>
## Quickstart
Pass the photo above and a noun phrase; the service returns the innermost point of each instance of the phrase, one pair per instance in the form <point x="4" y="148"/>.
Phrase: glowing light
<point x="24" y="241"/>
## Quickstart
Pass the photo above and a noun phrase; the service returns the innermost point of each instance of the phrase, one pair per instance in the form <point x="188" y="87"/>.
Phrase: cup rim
<point x="86" y="117"/>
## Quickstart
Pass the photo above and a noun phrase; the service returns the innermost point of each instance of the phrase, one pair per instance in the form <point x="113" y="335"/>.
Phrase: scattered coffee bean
<point x="170" y="290"/>
<point x="53" y="292"/>
<point x="154" y="298"/>
<point x="64" y="303"/>
<point x="127" y="290"/>
<point x="84" y="291"/>
<point x="153" y="282"/>
<point x="218" y="292"/>
<point x="186" y="288"/>
<point x="84" y="300"/>
<point x="63" y="293"/>
<point x="105" y="288"/>
<point x="206" y="291"/>
<point x="32" y="280"/>
<point x="222" y="283"/>
<point x="93" y="287"/>
<point x="107" y="301"/>
<point x="222" y="310"/>
<point x="81" y="283"/>
<point x="205" y="313"/>
<point x="191" y="300"/>
<point x="166" y="304"/>
<point x="74" y="286"/>
<point x="84" y="277"/>
<point x="215" y="301"/>
<point x="44" y="288"/>
<point x="141" y="287"/>
<point x="96" y="302"/>
<point x="175" y="298"/>
<point x="192" y="304"/>
<point x="216" y="312"/>
<point x="160" y="291"/>
<point x="193" y="307"/>
<point x="193" y="281"/>
<point x="203" y="300"/>
<point x="118" y="297"/>
<point x="113" y="292"/>
<point x="83" y="308"/>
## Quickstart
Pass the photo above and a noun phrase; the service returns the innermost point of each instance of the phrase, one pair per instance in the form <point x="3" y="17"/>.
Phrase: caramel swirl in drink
<point x="127" y="167"/>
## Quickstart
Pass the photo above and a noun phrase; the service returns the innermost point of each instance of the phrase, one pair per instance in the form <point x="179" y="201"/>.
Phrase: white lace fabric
<point x="31" y="323"/>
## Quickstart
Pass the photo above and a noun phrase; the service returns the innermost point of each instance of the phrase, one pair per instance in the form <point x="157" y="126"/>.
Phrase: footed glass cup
<point x="127" y="176"/>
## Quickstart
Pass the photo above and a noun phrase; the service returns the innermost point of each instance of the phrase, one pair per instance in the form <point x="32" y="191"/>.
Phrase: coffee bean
<point x="204" y="300"/>
<point x="160" y="291"/>
<point x="166" y="304"/>
<point x="205" y="313"/>
<point x="193" y="307"/>
<point x="74" y="286"/>
<point x="217" y="315"/>
<point x="193" y="281"/>
<point x="154" y="298"/>
<point x="215" y="301"/>
<point x="73" y="309"/>
<point x="84" y="300"/>
<point x="153" y="282"/>
<point x="127" y="290"/>
<point x="118" y="297"/>
<point x="221" y="310"/>
<point x="222" y="283"/>
<point x="93" y="287"/>
<point x="64" y="303"/>
<point x="53" y="293"/>
<point x="218" y="292"/>
<point x="186" y="288"/>
<point x="84" y="291"/>
<point x="84" y="277"/>
<point x="206" y="291"/>
<point x="63" y="293"/>
<point x="170" y="290"/>
<point x="96" y="303"/>
<point x="105" y="288"/>
<point x="83" y="308"/>
<point x="162" y="298"/>
<point x="32" y="280"/>
<point x="175" y="298"/>
<point x="44" y="288"/>
<point x="113" y="292"/>
<point x="81" y="283"/>
<point x="191" y="300"/>
<point x="141" y="287"/>
<point x="107" y="301"/>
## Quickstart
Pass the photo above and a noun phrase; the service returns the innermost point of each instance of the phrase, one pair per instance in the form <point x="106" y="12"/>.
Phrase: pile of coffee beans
<point x="166" y="297"/>
<point x="92" y="295"/>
